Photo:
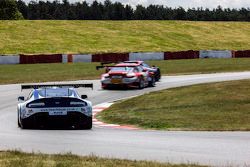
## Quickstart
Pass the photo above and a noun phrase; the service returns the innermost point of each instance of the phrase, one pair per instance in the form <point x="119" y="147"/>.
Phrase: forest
<point x="57" y="10"/>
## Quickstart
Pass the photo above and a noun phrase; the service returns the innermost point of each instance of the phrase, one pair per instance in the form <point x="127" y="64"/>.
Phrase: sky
<point x="184" y="3"/>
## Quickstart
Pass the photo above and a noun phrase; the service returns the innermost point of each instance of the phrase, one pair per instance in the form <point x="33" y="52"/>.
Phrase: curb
<point x="101" y="107"/>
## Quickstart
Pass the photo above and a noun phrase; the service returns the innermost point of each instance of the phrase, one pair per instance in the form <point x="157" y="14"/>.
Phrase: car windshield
<point x="146" y="65"/>
<point x="113" y="69"/>
<point x="55" y="92"/>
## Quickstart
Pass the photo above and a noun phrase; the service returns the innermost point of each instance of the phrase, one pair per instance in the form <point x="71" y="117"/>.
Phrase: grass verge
<point x="54" y="36"/>
<point x="77" y="71"/>
<point x="212" y="107"/>
<point x="19" y="159"/>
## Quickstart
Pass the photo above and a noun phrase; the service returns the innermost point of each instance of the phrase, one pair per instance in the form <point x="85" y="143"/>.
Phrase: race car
<point x="54" y="106"/>
<point x="127" y="75"/>
<point x="155" y="70"/>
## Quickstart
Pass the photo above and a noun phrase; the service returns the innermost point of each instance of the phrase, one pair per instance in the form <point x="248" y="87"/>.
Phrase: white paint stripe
<point x="97" y="110"/>
<point x="99" y="123"/>
<point x="103" y="105"/>
<point x="110" y="125"/>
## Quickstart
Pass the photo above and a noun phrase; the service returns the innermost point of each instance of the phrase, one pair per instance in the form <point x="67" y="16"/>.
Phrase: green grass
<point x="19" y="159"/>
<point x="47" y="72"/>
<point x="191" y="66"/>
<point x="77" y="71"/>
<point x="217" y="107"/>
<point x="28" y="36"/>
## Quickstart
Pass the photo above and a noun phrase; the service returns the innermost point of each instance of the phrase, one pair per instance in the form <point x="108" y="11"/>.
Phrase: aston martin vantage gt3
<point x="54" y="106"/>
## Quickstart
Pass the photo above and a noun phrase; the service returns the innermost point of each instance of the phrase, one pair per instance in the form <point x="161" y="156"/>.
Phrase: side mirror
<point x="84" y="96"/>
<point x="20" y="98"/>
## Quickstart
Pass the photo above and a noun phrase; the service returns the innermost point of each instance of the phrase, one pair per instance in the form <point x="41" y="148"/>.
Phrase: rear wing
<point x="104" y="64"/>
<point x="113" y="64"/>
<point x="88" y="85"/>
<point x="98" y="67"/>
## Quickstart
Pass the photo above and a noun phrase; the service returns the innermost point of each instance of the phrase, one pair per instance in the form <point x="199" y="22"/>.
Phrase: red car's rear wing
<point x="117" y="65"/>
<point x="103" y="64"/>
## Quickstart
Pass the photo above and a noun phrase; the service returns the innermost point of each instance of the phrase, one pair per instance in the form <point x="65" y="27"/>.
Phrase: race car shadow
<point x="57" y="128"/>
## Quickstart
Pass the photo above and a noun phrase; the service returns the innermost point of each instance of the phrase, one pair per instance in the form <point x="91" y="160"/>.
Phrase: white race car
<point x="54" y="106"/>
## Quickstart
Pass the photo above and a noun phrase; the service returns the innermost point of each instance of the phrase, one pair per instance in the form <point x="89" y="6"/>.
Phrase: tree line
<point x="56" y="10"/>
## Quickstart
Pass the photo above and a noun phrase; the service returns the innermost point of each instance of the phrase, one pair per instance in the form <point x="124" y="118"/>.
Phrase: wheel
<point x="24" y="124"/>
<point x="104" y="87"/>
<point x="152" y="82"/>
<point x="86" y="125"/>
<point x="141" y="84"/>
<point x="18" y="122"/>
<point x="158" y="75"/>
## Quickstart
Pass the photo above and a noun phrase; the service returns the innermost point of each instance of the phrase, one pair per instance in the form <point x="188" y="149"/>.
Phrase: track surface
<point x="208" y="148"/>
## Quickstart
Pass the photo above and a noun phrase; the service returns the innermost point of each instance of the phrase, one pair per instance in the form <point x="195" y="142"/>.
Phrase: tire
<point x="141" y="85"/>
<point x="158" y="75"/>
<point x="105" y="87"/>
<point x="152" y="83"/>
<point x="18" y="122"/>
<point x="24" y="124"/>
<point x="87" y="125"/>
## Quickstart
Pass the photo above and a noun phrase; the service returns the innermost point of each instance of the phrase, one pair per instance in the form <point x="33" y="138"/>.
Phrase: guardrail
<point x="74" y="58"/>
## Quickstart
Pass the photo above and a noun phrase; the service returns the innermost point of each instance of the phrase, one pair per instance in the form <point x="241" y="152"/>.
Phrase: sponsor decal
<point x="59" y="109"/>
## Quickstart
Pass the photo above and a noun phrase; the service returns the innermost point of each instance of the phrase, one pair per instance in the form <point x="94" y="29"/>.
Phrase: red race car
<point x="154" y="69"/>
<point x="127" y="75"/>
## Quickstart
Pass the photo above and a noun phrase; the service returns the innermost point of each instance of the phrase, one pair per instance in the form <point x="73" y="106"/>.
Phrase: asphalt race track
<point x="208" y="148"/>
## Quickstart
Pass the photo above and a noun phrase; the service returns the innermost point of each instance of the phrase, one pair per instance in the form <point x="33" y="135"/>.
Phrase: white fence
<point x="215" y="54"/>
<point x="82" y="58"/>
<point x="147" y="56"/>
<point x="9" y="59"/>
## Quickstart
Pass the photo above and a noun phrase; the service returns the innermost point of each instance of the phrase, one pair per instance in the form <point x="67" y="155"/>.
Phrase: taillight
<point x="77" y="104"/>
<point x="106" y="76"/>
<point x="151" y="73"/>
<point x="130" y="76"/>
<point x="36" y="105"/>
